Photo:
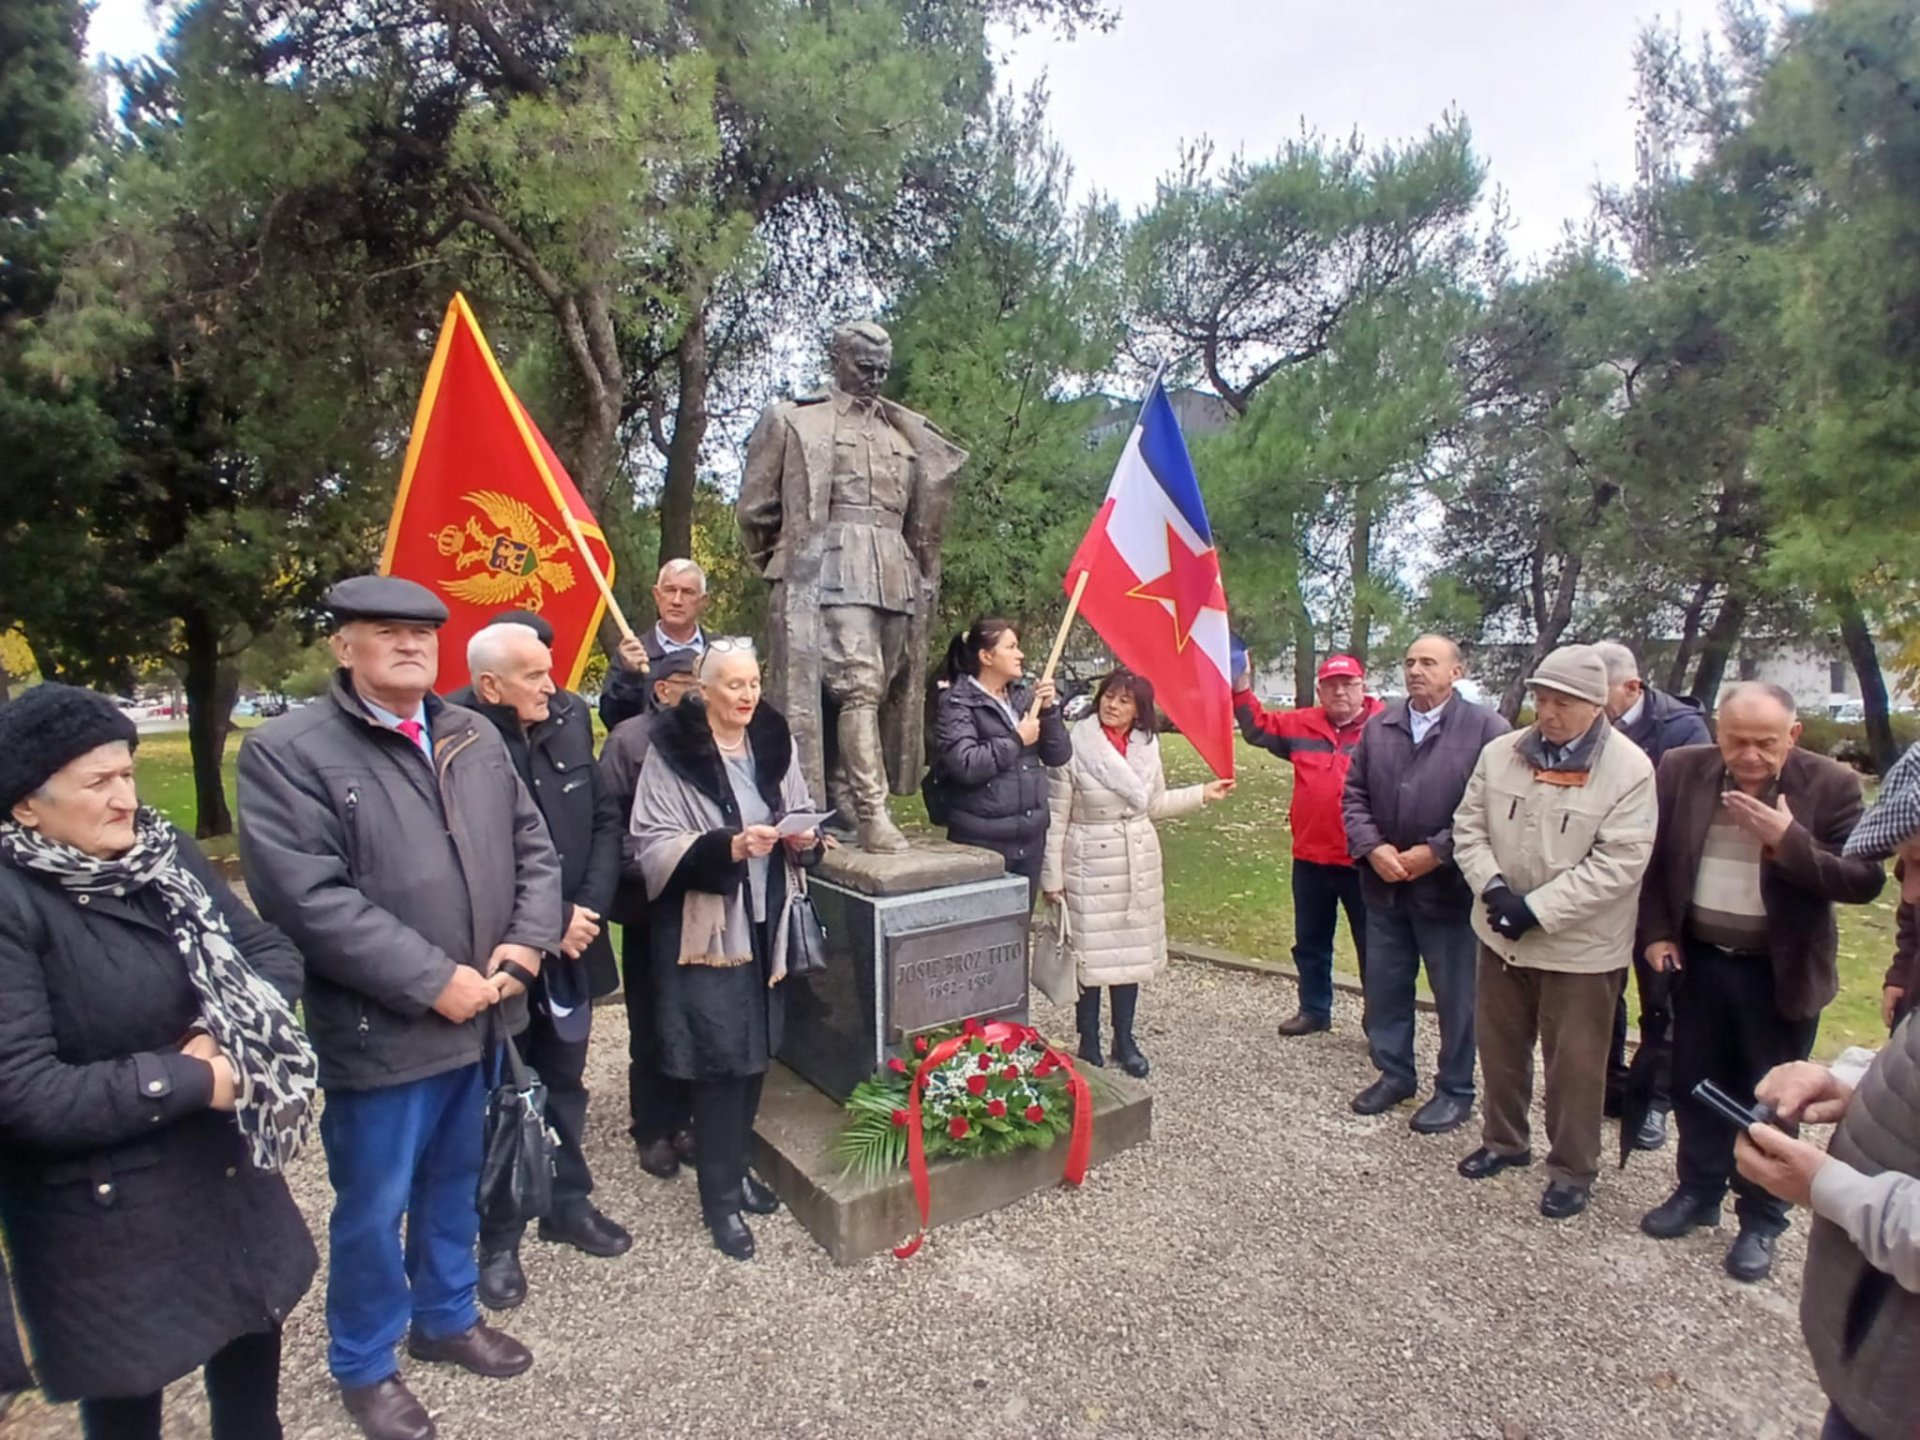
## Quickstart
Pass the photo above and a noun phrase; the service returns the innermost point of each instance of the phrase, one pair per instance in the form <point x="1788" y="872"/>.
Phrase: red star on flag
<point x="1191" y="584"/>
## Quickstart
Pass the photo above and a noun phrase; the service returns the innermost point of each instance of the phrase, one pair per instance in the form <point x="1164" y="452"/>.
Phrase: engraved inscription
<point x="939" y="976"/>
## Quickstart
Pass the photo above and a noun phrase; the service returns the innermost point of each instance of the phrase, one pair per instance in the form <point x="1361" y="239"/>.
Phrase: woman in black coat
<point x="152" y="1083"/>
<point x="718" y="779"/>
<point x="990" y="755"/>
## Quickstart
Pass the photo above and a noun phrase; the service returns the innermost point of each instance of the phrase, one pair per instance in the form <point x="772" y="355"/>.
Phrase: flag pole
<point x="1080" y="585"/>
<point x="593" y="569"/>
<point x="1060" y="640"/>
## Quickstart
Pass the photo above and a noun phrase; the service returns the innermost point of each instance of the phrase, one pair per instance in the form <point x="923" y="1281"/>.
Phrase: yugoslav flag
<point x="1152" y="587"/>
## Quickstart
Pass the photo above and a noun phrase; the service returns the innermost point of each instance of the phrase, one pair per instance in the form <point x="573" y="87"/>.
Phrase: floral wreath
<point x="966" y="1091"/>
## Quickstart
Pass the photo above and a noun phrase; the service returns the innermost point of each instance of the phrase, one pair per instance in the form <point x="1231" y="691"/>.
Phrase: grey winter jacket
<point x="387" y="873"/>
<point x="1401" y="795"/>
<point x="1860" y="1318"/>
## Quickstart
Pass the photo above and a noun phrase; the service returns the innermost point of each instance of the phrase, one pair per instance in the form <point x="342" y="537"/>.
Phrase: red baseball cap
<point x="1340" y="667"/>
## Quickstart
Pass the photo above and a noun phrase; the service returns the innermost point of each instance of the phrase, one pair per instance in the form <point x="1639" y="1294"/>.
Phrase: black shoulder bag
<point x="806" y="934"/>
<point x="516" y="1166"/>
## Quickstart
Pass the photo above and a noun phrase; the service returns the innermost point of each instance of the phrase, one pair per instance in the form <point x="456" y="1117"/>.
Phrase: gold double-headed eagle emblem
<point x="519" y="567"/>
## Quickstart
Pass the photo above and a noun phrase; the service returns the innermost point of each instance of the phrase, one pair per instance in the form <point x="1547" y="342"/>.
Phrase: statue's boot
<point x="866" y="768"/>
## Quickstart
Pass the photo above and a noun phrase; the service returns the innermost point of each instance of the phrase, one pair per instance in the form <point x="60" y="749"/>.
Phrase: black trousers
<point x="658" y="1105"/>
<point x="1727" y="1029"/>
<point x="1656" y="998"/>
<point x="243" y="1391"/>
<point x="723" y="1112"/>
<point x="561" y="1066"/>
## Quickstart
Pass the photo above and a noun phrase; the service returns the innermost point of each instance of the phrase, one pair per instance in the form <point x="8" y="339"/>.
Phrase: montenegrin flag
<point x="482" y="514"/>
<point x="1153" y="587"/>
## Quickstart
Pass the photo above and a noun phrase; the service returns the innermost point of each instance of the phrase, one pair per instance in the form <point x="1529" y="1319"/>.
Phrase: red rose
<point x="1043" y="1069"/>
<point x="1008" y="1046"/>
<point x="900" y="1118"/>
<point x="972" y="1027"/>
<point x="996" y="1108"/>
<point x="1035" y="1113"/>
<point x="920" y="1046"/>
<point x="1012" y="1072"/>
<point x="897" y="1065"/>
<point x="977" y="1084"/>
<point x="986" y="1062"/>
<point x="957" y="1128"/>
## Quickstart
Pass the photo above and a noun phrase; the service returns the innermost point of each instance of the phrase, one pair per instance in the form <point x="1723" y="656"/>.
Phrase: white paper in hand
<point x="802" y="821"/>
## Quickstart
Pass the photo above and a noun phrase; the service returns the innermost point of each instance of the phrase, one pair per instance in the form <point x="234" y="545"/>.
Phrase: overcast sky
<point x="1546" y="84"/>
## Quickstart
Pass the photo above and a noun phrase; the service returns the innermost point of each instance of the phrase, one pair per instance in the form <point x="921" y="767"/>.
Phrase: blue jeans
<point x="1320" y="892"/>
<point x="1397" y="943"/>
<point x="407" y="1151"/>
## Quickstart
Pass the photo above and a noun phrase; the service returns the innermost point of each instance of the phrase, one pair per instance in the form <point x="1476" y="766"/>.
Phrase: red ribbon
<point x="1079" y="1144"/>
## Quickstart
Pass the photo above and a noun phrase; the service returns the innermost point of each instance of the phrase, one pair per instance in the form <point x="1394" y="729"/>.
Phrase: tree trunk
<point x="1689" y="637"/>
<point x="1857" y="636"/>
<point x="1551" y="616"/>
<point x="1360" y="641"/>
<point x="1717" y="648"/>
<point x="211" y="689"/>
<point x="683" y="449"/>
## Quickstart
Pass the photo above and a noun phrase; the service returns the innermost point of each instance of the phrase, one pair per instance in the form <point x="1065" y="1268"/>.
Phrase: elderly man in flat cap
<point x="389" y="835"/>
<point x="1554" y="835"/>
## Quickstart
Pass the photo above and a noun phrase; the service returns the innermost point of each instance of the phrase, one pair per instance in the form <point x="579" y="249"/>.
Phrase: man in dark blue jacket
<point x="1407" y="778"/>
<point x="1657" y="722"/>
<point x="549" y="735"/>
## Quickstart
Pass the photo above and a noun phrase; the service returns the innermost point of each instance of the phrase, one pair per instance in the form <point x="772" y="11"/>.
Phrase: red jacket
<point x="1320" y="753"/>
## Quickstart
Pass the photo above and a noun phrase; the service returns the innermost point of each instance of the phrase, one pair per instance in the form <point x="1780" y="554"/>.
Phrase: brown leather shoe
<point x="482" y="1350"/>
<point x="387" y="1411"/>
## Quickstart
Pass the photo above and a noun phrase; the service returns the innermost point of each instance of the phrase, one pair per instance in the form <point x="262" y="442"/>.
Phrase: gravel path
<point x="1270" y="1265"/>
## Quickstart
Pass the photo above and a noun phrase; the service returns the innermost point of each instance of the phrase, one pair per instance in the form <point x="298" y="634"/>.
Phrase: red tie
<point x="412" y="729"/>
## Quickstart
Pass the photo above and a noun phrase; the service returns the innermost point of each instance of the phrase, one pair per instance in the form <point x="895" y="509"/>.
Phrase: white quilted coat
<point x="1102" y="851"/>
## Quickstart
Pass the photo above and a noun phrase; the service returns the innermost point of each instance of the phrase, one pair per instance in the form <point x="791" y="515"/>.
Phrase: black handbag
<point x="806" y="935"/>
<point x="516" y="1165"/>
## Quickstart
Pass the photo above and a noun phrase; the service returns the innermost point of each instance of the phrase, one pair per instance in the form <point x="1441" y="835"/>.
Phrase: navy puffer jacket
<point x="997" y="787"/>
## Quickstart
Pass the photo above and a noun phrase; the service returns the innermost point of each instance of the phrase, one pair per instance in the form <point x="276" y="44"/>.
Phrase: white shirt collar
<point x="1634" y="714"/>
<point x="1421" y="721"/>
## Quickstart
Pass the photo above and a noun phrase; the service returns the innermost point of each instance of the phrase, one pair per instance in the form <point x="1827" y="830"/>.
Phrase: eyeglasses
<point x="725" y="644"/>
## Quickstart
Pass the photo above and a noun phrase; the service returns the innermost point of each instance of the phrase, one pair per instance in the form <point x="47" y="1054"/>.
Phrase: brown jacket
<point x="1800" y="881"/>
<point x="1904" y="973"/>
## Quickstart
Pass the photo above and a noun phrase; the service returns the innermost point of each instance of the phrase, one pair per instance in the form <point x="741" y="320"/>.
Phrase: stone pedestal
<point x="854" y="1218"/>
<point x="915" y="941"/>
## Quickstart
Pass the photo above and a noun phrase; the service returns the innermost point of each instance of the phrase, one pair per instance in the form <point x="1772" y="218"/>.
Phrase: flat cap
<point x="1894" y="818"/>
<point x="681" y="660"/>
<point x="532" y="619"/>
<point x="1575" y="670"/>
<point x="385" y="597"/>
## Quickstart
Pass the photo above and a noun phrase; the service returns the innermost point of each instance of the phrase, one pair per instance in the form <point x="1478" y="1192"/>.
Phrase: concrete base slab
<point x="854" y="1218"/>
<point x="928" y="865"/>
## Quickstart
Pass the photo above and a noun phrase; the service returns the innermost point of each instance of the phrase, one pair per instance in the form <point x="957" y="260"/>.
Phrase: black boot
<point x="1126" y="999"/>
<point x="1086" y="1014"/>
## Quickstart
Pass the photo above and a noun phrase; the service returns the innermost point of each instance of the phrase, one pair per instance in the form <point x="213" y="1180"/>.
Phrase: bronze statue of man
<point x="842" y="505"/>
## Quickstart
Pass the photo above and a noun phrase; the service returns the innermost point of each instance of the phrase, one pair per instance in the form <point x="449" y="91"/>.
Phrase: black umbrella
<point x="1637" y="1090"/>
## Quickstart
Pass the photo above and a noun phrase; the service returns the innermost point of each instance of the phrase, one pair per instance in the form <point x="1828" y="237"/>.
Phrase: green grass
<point x="1226" y="873"/>
<point x="164" y="773"/>
<point x="1227" y="886"/>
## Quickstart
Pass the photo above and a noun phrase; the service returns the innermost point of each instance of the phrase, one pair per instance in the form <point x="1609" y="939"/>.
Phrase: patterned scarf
<point x="244" y="1015"/>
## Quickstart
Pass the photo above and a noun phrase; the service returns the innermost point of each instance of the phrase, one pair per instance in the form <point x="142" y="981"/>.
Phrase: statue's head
<point x="862" y="355"/>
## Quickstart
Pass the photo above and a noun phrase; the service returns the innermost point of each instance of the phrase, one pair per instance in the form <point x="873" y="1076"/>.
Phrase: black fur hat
<point x="47" y="727"/>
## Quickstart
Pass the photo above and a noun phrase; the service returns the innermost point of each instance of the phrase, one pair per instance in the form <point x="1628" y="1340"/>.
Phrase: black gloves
<point x="1507" y="912"/>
